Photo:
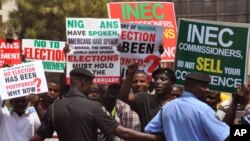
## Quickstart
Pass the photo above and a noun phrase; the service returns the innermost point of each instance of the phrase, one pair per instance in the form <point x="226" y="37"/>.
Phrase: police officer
<point x="188" y="117"/>
<point x="76" y="118"/>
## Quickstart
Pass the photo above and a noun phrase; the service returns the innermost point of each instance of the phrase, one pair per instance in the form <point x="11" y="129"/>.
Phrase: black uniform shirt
<point x="146" y="106"/>
<point x="76" y="118"/>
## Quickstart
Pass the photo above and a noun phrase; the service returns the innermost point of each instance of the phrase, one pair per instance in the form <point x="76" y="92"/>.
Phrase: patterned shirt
<point x="128" y="118"/>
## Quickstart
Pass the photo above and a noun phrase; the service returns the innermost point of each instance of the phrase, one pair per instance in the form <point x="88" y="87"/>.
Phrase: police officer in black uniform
<point x="76" y="118"/>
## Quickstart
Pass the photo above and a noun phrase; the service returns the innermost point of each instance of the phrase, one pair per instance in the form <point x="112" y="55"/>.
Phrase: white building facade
<point x="5" y="8"/>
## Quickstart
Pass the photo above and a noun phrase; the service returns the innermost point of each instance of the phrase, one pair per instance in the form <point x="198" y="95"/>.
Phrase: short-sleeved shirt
<point x="146" y="106"/>
<point x="17" y="128"/>
<point x="76" y="118"/>
<point x="187" y="118"/>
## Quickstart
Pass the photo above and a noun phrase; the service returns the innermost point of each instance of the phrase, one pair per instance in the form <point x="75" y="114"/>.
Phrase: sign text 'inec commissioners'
<point x="218" y="49"/>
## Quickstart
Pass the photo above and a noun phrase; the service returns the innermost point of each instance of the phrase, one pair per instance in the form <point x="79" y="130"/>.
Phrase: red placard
<point x="9" y="52"/>
<point x="157" y="13"/>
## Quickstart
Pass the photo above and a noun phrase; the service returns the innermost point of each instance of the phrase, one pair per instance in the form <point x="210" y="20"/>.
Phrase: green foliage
<point x="45" y="19"/>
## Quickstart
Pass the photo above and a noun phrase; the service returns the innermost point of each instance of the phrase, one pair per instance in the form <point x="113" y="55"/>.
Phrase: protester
<point x="246" y="89"/>
<point x="42" y="102"/>
<point x="129" y="118"/>
<point x="117" y="109"/>
<point x="140" y="82"/>
<point x="53" y="93"/>
<point x="177" y="91"/>
<point x="244" y="100"/>
<point x="188" y="117"/>
<point x="96" y="92"/>
<point x="77" y="118"/>
<point x="245" y="119"/>
<point x="228" y="113"/>
<point x="144" y="104"/>
<point x="213" y="99"/>
<point x="109" y="102"/>
<point x="19" y="124"/>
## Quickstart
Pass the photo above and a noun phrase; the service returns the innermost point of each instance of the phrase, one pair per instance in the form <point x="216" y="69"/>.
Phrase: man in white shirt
<point x="19" y="124"/>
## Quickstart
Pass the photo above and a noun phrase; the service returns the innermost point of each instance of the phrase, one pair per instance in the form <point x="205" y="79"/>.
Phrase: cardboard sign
<point x="93" y="45"/>
<point x="9" y="52"/>
<point x="140" y="43"/>
<point x="155" y="13"/>
<point x="50" y="52"/>
<point x="219" y="49"/>
<point x="23" y="79"/>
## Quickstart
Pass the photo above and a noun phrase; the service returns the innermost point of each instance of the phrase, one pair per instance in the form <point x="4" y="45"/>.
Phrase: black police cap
<point x="198" y="76"/>
<point x="168" y="72"/>
<point x="81" y="72"/>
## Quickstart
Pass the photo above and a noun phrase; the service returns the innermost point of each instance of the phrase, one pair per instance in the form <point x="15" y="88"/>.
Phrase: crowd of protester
<point x="126" y="111"/>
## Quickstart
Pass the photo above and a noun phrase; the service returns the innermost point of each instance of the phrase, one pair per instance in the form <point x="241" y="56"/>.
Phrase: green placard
<point x="219" y="49"/>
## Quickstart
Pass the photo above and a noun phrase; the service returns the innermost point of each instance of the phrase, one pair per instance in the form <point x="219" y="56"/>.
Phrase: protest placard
<point x="22" y="79"/>
<point x="93" y="45"/>
<point x="219" y="49"/>
<point x="156" y="13"/>
<point x="50" y="52"/>
<point x="9" y="52"/>
<point x="140" y="43"/>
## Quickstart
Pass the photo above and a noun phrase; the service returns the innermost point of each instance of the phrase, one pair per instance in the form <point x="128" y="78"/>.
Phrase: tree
<point x="45" y="19"/>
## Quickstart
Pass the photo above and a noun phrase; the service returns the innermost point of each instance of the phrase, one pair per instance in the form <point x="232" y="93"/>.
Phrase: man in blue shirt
<point x="188" y="118"/>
